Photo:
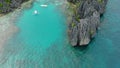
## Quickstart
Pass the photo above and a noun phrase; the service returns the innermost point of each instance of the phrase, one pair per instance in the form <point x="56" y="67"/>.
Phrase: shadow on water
<point x="81" y="48"/>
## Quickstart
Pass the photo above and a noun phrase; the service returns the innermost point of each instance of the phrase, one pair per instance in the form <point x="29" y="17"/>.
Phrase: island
<point x="85" y="20"/>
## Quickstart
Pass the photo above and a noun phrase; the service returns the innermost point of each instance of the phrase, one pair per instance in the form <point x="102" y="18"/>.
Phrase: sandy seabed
<point x="7" y="24"/>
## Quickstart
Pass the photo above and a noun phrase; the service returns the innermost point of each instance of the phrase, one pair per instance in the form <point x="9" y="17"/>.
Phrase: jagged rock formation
<point x="9" y="5"/>
<point x="85" y="20"/>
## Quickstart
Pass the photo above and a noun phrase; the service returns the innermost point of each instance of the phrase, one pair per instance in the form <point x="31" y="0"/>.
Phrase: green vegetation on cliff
<point x="85" y="20"/>
<point x="7" y="6"/>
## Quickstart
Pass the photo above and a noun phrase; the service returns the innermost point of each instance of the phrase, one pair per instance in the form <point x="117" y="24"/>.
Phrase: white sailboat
<point x="43" y="5"/>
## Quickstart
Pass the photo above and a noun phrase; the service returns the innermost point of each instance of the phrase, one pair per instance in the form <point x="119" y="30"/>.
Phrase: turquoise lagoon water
<point x="41" y="41"/>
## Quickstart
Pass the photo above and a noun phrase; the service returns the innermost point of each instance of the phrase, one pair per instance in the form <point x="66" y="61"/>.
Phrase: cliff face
<point x="85" y="20"/>
<point x="9" y="5"/>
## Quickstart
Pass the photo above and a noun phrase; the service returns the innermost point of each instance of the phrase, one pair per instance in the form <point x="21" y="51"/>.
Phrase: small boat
<point x="43" y="5"/>
<point x="35" y="12"/>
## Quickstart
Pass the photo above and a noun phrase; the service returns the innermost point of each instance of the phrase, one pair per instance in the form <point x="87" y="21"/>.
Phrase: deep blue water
<point x="41" y="41"/>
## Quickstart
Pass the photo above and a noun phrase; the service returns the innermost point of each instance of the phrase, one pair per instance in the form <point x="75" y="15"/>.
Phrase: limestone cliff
<point x="85" y="20"/>
<point x="9" y="5"/>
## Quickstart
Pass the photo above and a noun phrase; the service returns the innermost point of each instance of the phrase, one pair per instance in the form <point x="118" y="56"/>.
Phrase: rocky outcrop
<point x="9" y="5"/>
<point x="85" y="21"/>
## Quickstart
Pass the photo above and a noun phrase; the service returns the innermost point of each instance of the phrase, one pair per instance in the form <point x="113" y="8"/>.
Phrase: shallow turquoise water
<point x="41" y="41"/>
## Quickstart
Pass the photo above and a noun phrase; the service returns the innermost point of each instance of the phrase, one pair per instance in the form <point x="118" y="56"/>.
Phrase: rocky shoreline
<point x="85" y="20"/>
<point x="7" y="6"/>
